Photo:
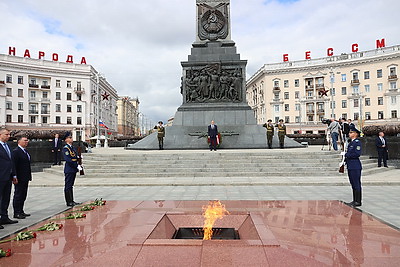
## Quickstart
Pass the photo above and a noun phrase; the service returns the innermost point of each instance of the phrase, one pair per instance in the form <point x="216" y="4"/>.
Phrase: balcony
<point x="44" y="112"/>
<point x="277" y="89"/>
<point x="33" y="111"/>
<point x="390" y="78"/>
<point x="45" y="86"/>
<point x="320" y="86"/>
<point x="310" y="112"/>
<point x="79" y="90"/>
<point x="46" y="100"/>
<point x="2" y="83"/>
<point x="309" y="87"/>
<point x="355" y="82"/>
<point x="321" y="111"/>
<point x="31" y="85"/>
<point x="33" y="99"/>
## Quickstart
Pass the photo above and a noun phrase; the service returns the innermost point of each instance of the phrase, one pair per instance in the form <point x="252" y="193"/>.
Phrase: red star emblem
<point x="105" y="96"/>
<point x="323" y="92"/>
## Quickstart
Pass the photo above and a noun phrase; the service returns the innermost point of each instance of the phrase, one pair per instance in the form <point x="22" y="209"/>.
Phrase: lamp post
<point x="98" y="143"/>
<point x="332" y="79"/>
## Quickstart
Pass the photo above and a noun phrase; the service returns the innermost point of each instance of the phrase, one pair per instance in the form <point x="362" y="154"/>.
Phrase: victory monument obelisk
<point x="213" y="87"/>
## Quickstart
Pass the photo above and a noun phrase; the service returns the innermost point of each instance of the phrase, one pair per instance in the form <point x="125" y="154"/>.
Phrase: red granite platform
<point x="273" y="233"/>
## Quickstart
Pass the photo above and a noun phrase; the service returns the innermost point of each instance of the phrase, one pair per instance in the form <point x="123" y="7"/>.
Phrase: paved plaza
<point x="380" y="191"/>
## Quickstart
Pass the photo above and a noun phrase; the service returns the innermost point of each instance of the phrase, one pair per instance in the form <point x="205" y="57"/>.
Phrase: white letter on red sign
<point x="354" y="48"/>
<point x="11" y="51"/>
<point x="380" y="43"/>
<point x="27" y="54"/>
<point x="285" y="57"/>
<point x="41" y="54"/>
<point x="330" y="51"/>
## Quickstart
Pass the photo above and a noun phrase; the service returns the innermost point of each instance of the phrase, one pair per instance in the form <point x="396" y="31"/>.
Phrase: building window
<point x="68" y="84"/>
<point x="297" y="95"/>
<point x="20" y="92"/>
<point x="8" y="105"/>
<point x="356" y="116"/>
<point x="393" y="85"/>
<point x="367" y="115"/>
<point x="20" y="118"/>
<point x="79" y="108"/>
<point x="9" y="78"/>
<point x="8" y="118"/>
<point x="380" y="87"/>
<point x="33" y="119"/>
<point x="44" y="120"/>
<point x="69" y="108"/>
<point x="276" y="107"/>
<point x="58" y="95"/>
<point x="45" y="83"/>
<point x="344" y="116"/>
<point x="286" y="107"/>
<point x="33" y="94"/>
<point x="58" y="83"/>
<point x="344" y="103"/>
<point x="276" y="96"/>
<point x="79" y="120"/>
<point x="394" y="114"/>
<point x="344" y="77"/>
<point x="367" y="101"/>
<point x="79" y="98"/>
<point x="20" y="105"/>
<point x="286" y="95"/>
<point x="366" y="75"/>
<point x="297" y="107"/>
<point x="344" y="91"/>
<point x="367" y="88"/>
<point x="69" y="120"/>
<point x="392" y="71"/>
<point x="356" y="103"/>
<point x="69" y="96"/>
<point x="20" y="79"/>
<point x="393" y="100"/>
<point x="58" y="120"/>
<point x="286" y="119"/>
<point x="276" y="83"/>
<point x="33" y="81"/>
<point x="355" y="75"/>
<point x="380" y="100"/>
<point x="380" y="115"/>
<point x="8" y="91"/>
<point x="310" y="118"/>
<point x="296" y="83"/>
<point x="286" y="83"/>
<point x="58" y="107"/>
<point x="379" y="74"/>
<point x="45" y="95"/>
<point x="297" y="119"/>
<point x="333" y="91"/>
<point x="356" y="89"/>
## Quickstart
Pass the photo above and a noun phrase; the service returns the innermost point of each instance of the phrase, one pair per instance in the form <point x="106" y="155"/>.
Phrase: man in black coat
<point x="56" y="149"/>
<point x="382" y="147"/>
<point x="212" y="135"/>
<point x="7" y="177"/>
<point x="22" y="163"/>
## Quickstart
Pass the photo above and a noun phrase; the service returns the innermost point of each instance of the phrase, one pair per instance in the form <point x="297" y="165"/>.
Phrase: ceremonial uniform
<point x="160" y="135"/>
<point x="352" y="158"/>
<point x="70" y="170"/>
<point x="281" y="134"/>
<point x="270" y="133"/>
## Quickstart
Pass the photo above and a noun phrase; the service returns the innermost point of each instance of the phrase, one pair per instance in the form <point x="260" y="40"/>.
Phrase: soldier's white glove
<point x="80" y="167"/>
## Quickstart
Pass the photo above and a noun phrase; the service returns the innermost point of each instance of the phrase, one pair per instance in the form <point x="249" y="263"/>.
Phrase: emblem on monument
<point x="213" y="21"/>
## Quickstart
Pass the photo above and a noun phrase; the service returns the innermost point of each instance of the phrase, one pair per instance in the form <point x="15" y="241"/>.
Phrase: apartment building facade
<point x="361" y="86"/>
<point x="128" y="116"/>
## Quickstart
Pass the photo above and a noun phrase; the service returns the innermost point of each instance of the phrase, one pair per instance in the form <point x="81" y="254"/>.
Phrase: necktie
<point x="55" y="142"/>
<point x="27" y="154"/>
<point x="7" y="150"/>
<point x="383" y="141"/>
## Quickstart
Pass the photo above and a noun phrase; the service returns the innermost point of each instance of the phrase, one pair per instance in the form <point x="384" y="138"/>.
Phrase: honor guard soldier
<point x="70" y="169"/>
<point x="352" y="158"/>
<point x="270" y="132"/>
<point x="160" y="134"/>
<point x="281" y="133"/>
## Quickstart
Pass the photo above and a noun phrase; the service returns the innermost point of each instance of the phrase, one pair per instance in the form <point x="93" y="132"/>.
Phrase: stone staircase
<point x="234" y="164"/>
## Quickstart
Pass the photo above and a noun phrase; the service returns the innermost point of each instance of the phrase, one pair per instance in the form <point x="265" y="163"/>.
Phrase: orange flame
<point x="211" y="212"/>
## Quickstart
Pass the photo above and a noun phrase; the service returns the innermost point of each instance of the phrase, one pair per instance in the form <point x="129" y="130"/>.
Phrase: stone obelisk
<point x="213" y="87"/>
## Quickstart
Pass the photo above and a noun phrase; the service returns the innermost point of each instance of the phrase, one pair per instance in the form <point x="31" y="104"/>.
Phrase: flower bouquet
<point x="5" y="253"/>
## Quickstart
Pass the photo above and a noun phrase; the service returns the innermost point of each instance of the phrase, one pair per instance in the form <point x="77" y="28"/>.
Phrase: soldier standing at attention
<point x="352" y="158"/>
<point x="70" y="170"/>
<point x="160" y="135"/>
<point x="270" y="132"/>
<point x="281" y="133"/>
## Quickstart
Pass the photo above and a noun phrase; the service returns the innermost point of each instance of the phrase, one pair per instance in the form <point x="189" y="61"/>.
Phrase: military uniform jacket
<point x="71" y="159"/>
<point x="281" y="129"/>
<point x="270" y="128"/>
<point x="352" y="156"/>
<point x="160" y="130"/>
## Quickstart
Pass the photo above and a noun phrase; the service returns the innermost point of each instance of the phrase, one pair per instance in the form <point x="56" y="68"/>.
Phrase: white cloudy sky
<point x="138" y="45"/>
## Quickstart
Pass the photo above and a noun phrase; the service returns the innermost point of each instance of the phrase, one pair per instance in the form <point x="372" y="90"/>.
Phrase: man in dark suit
<point x="212" y="135"/>
<point x="70" y="169"/>
<point x="22" y="163"/>
<point x="56" y="149"/>
<point x="7" y="177"/>
<point x="382" y="147"/>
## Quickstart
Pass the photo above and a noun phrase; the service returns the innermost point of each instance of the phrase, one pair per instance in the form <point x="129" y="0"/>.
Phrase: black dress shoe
<point x="1" y="227"/>
<point x="19" y="216"/>
<point x="8" y="221"/>
<point x="26" y="214"/>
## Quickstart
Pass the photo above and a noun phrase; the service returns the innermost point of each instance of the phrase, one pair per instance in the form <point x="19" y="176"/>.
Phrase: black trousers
<point x="382" y="155"/>
<point x="57" y="156"/>
<point x="20" y="193"/>
<point x="5" y="194"/>
<point x="69" y="181"/>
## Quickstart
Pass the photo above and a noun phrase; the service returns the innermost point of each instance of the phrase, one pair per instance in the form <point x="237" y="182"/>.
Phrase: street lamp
<point x="332" y="80"/>
<point x="98" y="143"/>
